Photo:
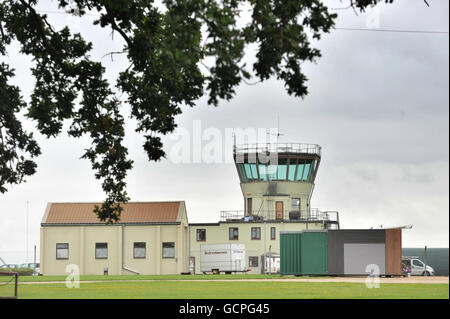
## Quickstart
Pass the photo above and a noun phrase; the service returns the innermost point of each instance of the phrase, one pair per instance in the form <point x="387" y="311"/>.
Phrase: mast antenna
<point x="278" y="128"/>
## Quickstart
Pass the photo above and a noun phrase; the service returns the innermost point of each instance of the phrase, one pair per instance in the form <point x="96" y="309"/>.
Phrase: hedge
<point x="21" y="271"/>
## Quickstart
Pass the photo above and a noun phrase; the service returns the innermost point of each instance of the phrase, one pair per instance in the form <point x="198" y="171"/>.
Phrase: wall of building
<point x="394" y="251"/>
<point x="258" y="190"/>
<point x="82" y="239"/>
<point x="219" y="234"/>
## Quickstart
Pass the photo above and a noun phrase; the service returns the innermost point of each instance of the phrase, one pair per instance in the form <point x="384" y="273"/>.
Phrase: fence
<point x="311" y="215"/>
<point x="300" y="148"/>
<point x="7" y="279"/>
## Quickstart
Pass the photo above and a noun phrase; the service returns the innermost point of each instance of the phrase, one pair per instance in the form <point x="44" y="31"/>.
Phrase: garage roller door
<point x="358" y="256"/>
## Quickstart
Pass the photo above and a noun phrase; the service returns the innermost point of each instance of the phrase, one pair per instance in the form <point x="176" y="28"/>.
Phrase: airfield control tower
<point x="277" y="181"/>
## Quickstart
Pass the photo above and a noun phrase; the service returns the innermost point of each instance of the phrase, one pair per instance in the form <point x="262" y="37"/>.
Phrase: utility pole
<point x="265" y="247"/>
<point x="270" y="259"/>
<point x="27" y="232"/>
<point x="426" y="261"/>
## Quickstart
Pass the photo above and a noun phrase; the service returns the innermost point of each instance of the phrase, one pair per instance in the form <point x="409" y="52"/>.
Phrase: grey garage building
<point x="351" y="251"/>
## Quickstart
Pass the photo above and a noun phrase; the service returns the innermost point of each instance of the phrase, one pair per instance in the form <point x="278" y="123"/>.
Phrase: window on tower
<point x="292" y="169"/>
<point x="295" y="204"/>
<point x="306" y="171"/>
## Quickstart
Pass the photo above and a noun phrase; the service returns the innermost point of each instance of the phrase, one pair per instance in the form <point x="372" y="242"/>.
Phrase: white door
<point x="237" y="264"/>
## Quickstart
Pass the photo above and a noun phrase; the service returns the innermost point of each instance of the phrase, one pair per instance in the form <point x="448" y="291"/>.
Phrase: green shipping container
<point x="304" y="253"/>
<point x="314" y="253"/>
<point x="290" y="253"/>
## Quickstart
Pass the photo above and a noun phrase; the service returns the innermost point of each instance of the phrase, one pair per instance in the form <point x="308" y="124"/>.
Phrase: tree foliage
<point x="165" y="47"/>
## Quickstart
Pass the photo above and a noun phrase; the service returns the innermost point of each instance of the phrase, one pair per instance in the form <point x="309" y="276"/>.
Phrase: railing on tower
<point x="300" y="148"/>
<point x="311" y="215"/>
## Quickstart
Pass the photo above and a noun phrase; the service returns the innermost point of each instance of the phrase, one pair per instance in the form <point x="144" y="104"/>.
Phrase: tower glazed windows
<point x="287" y="169"/>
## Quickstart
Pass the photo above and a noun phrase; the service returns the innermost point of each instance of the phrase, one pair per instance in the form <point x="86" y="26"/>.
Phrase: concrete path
<point x="396" y="280"/>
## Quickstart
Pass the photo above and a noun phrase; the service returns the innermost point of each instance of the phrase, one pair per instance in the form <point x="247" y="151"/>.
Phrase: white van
<point x="416" y="267"/>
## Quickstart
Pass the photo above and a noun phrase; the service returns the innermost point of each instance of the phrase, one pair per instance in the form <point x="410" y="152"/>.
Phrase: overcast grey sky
<point x="378" y="105"/>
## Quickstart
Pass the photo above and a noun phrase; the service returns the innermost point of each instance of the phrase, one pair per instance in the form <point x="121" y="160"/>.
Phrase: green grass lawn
<point x="162" y="289"/>
<point x="152" y="277"/>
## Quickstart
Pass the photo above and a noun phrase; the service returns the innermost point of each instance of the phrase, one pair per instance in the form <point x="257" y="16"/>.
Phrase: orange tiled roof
<point x="139" y="212"/>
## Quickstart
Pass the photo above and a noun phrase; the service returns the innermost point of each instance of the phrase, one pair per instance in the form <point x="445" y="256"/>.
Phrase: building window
<point x="249" y="206"/>
<point x="295" y="204"/>
<point x="253" y="261"/>
<point x="273" y="233"/>
<point x="292" y="169"/>
<point x="62" y="251"/>
<point x="295" y="214"/>
<point x="168" y="250"/>
<point x="101" y="250"/>
<point x="139" y="250"/>
<point x="256" y="232"/>
<point x="201" y="234"/>
<point x="234" y="233"/>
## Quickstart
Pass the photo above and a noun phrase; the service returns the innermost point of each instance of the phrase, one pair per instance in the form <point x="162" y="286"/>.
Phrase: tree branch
<point x="1" y="30"/>
<point x="112" y="53"/>
<point x="38" y="17"/>
<point x="116" y="27"/>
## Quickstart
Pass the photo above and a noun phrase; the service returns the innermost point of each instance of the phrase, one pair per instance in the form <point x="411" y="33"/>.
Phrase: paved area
<point x="396" y="280"/>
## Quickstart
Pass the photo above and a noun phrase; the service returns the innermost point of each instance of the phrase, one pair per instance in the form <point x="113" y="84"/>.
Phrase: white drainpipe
<point x="123" y="253"/>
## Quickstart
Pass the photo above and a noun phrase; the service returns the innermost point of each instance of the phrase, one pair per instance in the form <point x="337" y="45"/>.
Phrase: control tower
<point x="277" y="181"/>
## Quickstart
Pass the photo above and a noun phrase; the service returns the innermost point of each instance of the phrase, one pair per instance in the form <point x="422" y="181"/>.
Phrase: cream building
<point x="277" y="182"/>
<point x="151" y="238"/>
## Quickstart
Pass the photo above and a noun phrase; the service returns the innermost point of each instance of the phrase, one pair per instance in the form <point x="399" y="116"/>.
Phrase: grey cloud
<point x="409" y="177"/>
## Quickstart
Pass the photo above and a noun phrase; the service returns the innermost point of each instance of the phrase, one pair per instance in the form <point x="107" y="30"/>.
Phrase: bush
<point x="23" y="271"/>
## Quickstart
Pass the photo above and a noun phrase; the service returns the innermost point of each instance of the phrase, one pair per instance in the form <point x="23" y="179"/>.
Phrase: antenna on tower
<point x="278" y="128"/>
<point x="278" y="134"/>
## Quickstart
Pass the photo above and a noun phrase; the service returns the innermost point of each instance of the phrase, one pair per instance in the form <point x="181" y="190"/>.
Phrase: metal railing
<point x="311" y="215"/>
<point x="301" y="148"/>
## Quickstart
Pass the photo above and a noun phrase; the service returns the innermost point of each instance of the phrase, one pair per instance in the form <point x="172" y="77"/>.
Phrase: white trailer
<point x="225" y="258"/>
